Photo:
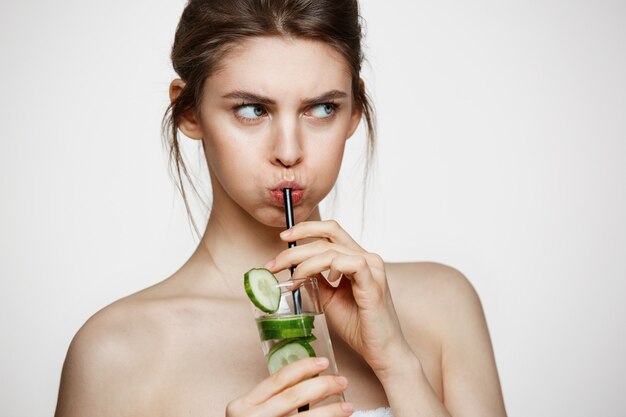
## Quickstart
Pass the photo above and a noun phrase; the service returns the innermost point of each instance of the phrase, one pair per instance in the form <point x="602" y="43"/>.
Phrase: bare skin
<point x="169" y="367"/>
<point x="410" y="336"/>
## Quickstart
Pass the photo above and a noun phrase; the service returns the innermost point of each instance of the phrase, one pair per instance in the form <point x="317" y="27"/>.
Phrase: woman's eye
<point x="323" y="110"/>
<point x="250" y="111"/>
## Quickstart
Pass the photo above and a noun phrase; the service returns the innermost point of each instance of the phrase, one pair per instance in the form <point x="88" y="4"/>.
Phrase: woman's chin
<point x="275" y="216"/>
<point x="270" y="217"/>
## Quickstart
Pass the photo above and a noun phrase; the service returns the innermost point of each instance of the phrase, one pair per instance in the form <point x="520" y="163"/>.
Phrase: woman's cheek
<point x="328" y="167"/>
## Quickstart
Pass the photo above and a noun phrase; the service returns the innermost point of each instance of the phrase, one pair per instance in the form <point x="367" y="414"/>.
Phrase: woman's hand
<point x="360" y="308"/>
<point x="290" y="388"/>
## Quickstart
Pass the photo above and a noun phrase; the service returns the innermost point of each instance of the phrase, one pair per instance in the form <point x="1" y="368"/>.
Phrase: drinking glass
<point x="297" y="329"/>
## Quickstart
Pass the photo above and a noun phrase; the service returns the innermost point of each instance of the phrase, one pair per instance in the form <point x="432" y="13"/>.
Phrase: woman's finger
<point x="286" y="377"/>
<point x="357" y="270"/>
<point x="366" y="280"/>
<point x="331" y="410"/>
<point x="317" y="264"/>
<point x="353" y="267"/>
<point x="310" y="391"/>
<point x="327" y="229"/>
<point x="299" y="254"/>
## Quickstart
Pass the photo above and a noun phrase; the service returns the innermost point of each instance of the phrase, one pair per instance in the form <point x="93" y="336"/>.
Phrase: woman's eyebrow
<point x="331" y="95"/>
<point x="258" y="99"/>
<point x="249" y="97"/>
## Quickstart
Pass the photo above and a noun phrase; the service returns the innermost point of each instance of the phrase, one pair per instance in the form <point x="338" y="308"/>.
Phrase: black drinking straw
<point x="297" y="299"/>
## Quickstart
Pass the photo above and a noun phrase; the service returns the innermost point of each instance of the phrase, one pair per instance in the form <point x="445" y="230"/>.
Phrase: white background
<point x="502" y="152"/>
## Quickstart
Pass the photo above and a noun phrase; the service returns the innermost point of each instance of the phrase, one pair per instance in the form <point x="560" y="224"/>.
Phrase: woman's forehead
<point x="279" y="66"/>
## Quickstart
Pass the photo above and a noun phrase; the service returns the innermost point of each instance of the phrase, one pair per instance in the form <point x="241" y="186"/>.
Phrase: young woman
<point x="272" y="89"/>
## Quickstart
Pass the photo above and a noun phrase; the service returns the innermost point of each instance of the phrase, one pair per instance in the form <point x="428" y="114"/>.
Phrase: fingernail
<point x="270" y="264"/>
<point x="285" y="233"/>
<point x="347" y="407"/>
<point x="341" y="380"/>
<point x="321" y="361"/>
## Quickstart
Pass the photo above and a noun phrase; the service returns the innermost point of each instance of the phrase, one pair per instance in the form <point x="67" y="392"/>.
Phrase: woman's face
<point x="276" y="114"/>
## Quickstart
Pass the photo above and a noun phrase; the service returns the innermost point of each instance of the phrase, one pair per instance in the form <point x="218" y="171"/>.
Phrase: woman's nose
<point x="287" y="150"/>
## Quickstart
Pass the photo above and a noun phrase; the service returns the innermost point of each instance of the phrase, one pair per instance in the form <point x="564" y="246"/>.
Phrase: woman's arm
<point x="471" y="383"/>
<point x="470" y="380"/>
<point x="408" y="390"/>
<point x="362" y="311"/>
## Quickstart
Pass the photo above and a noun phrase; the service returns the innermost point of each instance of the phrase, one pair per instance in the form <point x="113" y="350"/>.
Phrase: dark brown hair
<point x="209" y="28"/>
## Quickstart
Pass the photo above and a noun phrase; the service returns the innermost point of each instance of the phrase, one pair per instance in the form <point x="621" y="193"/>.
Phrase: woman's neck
<point x="233" y="243"/>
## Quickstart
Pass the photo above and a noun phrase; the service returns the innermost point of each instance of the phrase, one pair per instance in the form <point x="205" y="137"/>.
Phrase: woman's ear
<point x="189" y="124"/>
<point x="357" y="112"/>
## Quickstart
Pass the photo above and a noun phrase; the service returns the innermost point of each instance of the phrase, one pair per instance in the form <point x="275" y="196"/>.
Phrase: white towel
<point x="379" y="412"/>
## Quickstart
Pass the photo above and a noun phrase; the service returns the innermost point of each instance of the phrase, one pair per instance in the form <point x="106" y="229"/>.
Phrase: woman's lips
<point x="277" y="196"/>
<point x="276" y="193"/>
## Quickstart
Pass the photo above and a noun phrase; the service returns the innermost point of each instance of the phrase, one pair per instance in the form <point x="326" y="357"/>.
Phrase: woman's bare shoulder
<point x="113" y="349"/>
<point x="126" y="319"/>
<point x="436" y="298"/>
<point x="119" y="319"/>
<point x="134" y="322"/>
<point x="436" y="286"/>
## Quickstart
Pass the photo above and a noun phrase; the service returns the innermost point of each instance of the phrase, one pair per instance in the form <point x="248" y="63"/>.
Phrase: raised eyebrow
<point x="249" y="97"/>
<point x="258" y="99"/>
<point x="331" y="95"/>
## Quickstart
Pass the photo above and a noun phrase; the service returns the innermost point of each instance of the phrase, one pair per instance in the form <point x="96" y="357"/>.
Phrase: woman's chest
<point x="204" y="384"/>
<point x="202" y="380"/>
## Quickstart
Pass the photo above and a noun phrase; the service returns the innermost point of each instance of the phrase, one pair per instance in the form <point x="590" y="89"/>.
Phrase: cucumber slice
<point x="285" y="327"/>
<point x="285" y="334"/>
<point x="286" y="322"/>
<point x="288" y="351"/>
<point x="262" y="289"/>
